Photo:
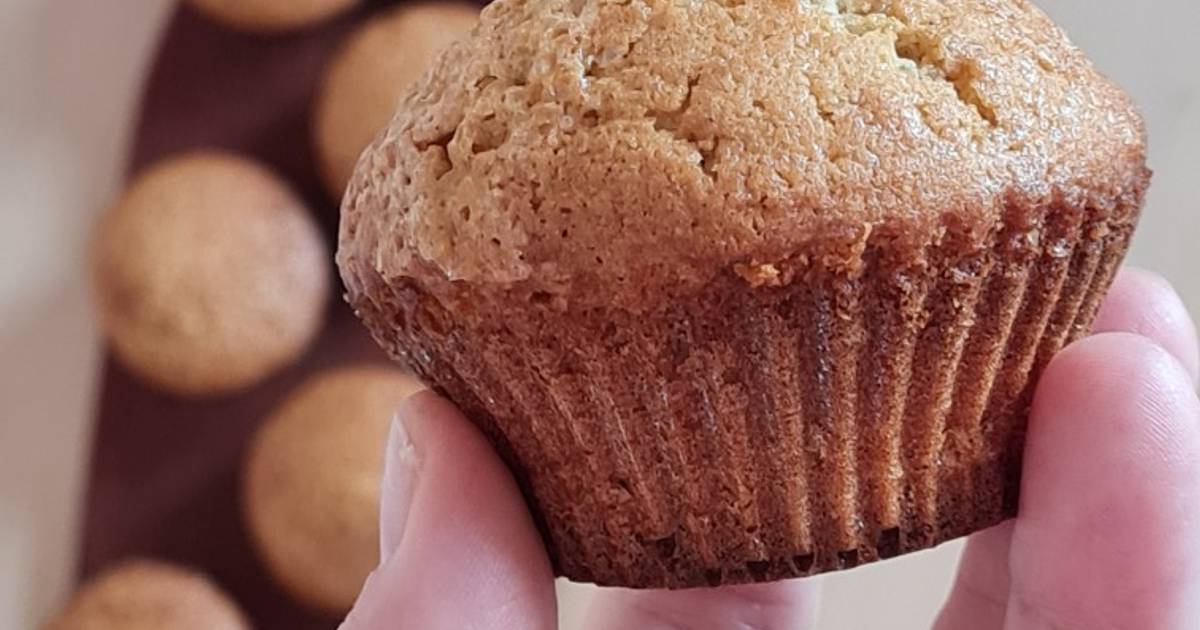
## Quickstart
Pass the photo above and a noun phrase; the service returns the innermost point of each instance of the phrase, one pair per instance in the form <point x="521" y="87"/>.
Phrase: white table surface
<point x="71" y="71"/>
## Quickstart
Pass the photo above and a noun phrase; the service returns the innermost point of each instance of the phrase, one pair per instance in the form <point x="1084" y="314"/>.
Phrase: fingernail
<point x="396" y="490"/>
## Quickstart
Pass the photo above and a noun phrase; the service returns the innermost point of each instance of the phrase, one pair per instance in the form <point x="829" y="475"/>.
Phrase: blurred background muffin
<point x="209" y="274"/>
<point x="311" y="483"/>
<point x="271" y="15"/>
<point x="366" y="77"/>
<point x="149" y="595"/>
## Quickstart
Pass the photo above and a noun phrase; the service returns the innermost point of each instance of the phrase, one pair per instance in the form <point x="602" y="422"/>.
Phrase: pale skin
<point x="1108" y="534"/>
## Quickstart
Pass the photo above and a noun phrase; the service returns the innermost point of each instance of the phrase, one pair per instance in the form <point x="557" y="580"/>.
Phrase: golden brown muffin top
<point x="367" y="77"/>
<point x="601" y="150"/>
<point x="149" y="595"/>
<point x="311" y="485"/>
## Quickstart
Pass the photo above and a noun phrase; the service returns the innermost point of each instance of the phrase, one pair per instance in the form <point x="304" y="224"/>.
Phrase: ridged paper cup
<point x="863" y="399"/>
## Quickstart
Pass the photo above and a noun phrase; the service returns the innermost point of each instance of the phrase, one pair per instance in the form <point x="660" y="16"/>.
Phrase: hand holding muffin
<point x="725" y="316"/>
<point x="743" y="292"/>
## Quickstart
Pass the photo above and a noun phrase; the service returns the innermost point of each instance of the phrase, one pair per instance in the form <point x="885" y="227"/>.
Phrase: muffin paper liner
<point x="864" y="398"/>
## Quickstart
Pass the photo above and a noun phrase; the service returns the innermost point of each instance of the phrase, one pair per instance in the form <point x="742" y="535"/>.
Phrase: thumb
<point x="458" y="545"/>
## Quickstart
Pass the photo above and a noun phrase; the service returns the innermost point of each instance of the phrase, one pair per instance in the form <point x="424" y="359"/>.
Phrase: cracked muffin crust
<point x="608" y="147"/>
<point x="747" y="290"/>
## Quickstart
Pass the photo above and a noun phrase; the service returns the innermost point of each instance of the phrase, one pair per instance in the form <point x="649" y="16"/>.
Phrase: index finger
<point x="1139" y="302"/>
<point x="1108" y="533"/>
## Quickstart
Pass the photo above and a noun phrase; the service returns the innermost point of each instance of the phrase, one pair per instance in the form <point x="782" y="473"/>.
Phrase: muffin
<point x="366" y="78"/>
<point x="209" y="274"/>
<point x="149" y="595"/>
<point x="311" y="483"/>
<point x="271" y="15"/>
<point x="747" y="291"/>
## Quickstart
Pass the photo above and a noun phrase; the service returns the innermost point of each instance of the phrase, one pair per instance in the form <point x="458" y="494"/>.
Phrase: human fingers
<point x="1139" y="302"/>
<point x="1144" y="303"/>
<point x="790" y="605"/>
<point x="1109" y="529"/>
<point x="459" y="547"/>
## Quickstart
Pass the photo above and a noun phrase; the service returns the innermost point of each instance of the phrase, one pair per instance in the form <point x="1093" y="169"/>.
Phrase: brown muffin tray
<point x="164" y="476"/>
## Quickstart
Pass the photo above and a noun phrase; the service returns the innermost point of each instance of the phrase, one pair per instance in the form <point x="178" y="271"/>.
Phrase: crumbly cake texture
<point x="311" y="482"/>
<point x="209" y="274"/>
<point x="754" y="290"/>
<point x="271" y="15"/>
<point x="367" y="77"/>
<point x="607" y="149"/>
<point x="149" y="595"/>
